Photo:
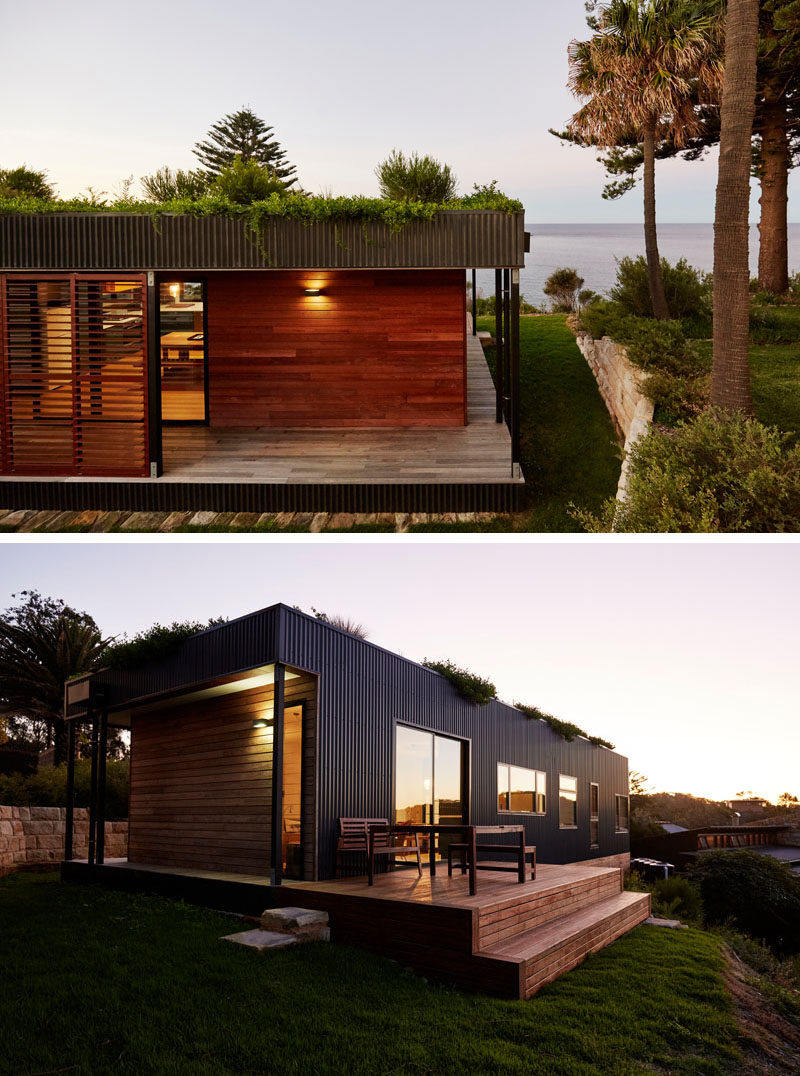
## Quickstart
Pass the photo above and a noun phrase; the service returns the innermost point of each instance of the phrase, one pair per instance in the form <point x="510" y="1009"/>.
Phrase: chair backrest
<point x="353" y="833"/>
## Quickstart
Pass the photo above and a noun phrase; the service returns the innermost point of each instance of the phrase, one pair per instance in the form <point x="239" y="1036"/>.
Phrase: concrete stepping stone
<point x="672" y="924"/>
<point x="260" y="940"/>
<point x="304" y="924"/>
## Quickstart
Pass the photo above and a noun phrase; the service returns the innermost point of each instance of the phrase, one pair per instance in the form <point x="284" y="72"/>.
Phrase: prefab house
<point x="253" y="742"/>
<point x="187" y="362"/>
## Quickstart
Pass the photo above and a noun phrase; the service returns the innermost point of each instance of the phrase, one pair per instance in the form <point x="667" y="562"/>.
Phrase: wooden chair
<point x="385" y="844"/>
<point x="353" y="838"/>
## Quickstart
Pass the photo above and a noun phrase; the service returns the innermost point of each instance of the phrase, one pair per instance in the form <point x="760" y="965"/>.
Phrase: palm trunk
<point x="730" y="375"/>
<point x="773" y="251"/>
<point x="655" y="281"/>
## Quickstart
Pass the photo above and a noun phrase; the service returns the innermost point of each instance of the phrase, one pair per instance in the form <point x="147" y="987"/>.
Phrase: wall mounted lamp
<point x="313" y="291"/>
<point x="262" y="722"/>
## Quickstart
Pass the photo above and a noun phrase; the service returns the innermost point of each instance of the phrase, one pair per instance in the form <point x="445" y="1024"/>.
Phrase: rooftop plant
<point x="469" y="686"/>
<point x="565" y="729"/>
<point x="156" y="643"/>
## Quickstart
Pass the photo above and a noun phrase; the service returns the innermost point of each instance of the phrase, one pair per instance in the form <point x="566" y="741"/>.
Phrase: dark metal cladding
<point x="363" y="693"/>
<point x="149" y="496"/>
<point x="125" y="241"/>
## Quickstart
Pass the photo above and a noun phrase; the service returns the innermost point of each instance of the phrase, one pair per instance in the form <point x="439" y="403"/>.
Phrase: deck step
<point x="548" y="951"/>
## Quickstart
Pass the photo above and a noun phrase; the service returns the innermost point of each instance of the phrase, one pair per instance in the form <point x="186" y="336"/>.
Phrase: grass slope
<point x="570" y="453"/>
<point x="101" y="982"/>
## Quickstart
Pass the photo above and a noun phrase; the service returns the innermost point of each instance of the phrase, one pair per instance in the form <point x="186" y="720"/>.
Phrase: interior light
<point x="174" y="290"/>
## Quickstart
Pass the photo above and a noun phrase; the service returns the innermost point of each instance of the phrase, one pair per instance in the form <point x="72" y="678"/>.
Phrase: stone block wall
<point x="618" y="381"/>
<point x="34" y="835"/>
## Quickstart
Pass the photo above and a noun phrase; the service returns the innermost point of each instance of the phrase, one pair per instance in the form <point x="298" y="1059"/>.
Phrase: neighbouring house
<point x="196" y="363"/>
<point x="774" y="837"/>
<point x="252" y="742"/>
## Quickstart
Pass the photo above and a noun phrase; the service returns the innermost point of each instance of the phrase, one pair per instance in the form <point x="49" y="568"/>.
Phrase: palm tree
<point x="730" y="372"/>
<point x="43" y="643"/>
<point x="644" y="74"/>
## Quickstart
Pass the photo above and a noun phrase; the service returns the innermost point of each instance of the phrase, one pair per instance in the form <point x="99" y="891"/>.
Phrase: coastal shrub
<point x="24" y="182"/>
<point x="469" y="686"/>
<point x="719" y="473"/>
<point x="686" y="290"/>
<point x="156" y="643"/>
<point x="565" y="729"/>
<point x="562" y="286"/>
<point x="677" y="372"/>
<point x="48" y="787"/>
<point x="164" y="185"/>
<point x="677" y="898"/>
<point x="753" y="893"/>
<point x="774" y="324"/>
<point x="601" y="318"/>
<point x="245" y="182"/>
<point x="415" y="178"/>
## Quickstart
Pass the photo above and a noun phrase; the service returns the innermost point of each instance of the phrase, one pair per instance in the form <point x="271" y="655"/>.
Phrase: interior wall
<point x="374" y="348"/>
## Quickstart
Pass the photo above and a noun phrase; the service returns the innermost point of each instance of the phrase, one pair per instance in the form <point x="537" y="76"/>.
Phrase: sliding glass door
<point x="430" y="779"/>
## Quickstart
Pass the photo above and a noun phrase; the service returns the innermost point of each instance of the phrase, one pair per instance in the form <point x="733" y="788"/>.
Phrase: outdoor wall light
<point x="261" y="722"/>
<point x="313" y="291"/>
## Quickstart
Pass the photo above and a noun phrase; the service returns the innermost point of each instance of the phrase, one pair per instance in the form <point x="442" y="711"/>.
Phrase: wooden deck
<point x="508" y="939"/>
<point x="479" y="452"/>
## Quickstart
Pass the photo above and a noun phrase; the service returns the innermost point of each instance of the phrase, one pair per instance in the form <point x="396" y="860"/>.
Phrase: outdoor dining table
<point x="414" y="828"/>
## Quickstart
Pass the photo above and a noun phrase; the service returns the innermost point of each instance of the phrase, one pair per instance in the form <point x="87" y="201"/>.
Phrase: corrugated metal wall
<point x="89" y="241"/>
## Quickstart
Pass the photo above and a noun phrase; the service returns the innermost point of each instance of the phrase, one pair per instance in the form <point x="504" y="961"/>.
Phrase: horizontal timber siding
<point x="201" y="783"/>
<point x="373" y="349"/>
<point x="84" y="241"/>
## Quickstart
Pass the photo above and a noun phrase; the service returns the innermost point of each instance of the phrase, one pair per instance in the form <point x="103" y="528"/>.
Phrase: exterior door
<point x="429" y="779"/>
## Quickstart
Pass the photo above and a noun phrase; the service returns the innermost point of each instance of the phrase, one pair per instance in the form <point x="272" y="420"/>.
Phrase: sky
<point x="101" y="92"/>
<point x="682" y="654"/>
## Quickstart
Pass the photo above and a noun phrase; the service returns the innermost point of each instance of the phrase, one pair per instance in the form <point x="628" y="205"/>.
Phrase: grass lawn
<point x="101" y="982"/>
<point x="570" y="453"/>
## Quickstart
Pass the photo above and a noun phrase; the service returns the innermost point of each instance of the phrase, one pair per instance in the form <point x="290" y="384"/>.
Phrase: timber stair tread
<point x="571" y="928"/>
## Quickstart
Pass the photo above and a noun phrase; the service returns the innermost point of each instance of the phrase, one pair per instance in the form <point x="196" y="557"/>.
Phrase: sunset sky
<point x="111" y="91"/>
<point x="683" y="655"/>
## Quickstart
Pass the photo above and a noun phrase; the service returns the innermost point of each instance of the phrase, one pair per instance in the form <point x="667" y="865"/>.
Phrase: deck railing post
<point x="498" y="343"/>
<point x="507" y="348"/>
<point x="514" y="373"/>
<point x="276" y="839"/>
<point x="69" y="824"/>
<point x="102" y="751"/>
<point x="93" y="790"/>
<point x="474" y="303"/>
<point x="154" y="379"/>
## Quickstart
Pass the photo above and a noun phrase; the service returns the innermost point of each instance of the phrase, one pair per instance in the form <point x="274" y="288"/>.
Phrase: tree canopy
<point x="243" y="134"/>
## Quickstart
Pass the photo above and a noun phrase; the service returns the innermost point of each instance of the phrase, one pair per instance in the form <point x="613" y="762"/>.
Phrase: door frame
<point x="183" y="277"/>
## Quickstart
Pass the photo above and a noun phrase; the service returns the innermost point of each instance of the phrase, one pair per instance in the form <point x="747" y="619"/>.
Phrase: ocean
<point x="593" y="248"/>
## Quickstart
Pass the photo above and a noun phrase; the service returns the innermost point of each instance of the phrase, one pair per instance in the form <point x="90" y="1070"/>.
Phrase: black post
<point x="154" y="379"/>
<point x="70" y="817"/>
<point x="276" y="842"/>
<point x="101" y="789"/>
<point x="507" y="348"/>
<point x="498" y="343"/>
<point x="474" y="304"/>
<point x="514" y="373"/>
<point x="93" y="792"/>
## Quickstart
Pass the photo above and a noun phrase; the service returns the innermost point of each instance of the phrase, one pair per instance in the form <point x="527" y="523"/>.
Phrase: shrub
<point x="415" y="179"/>
<point x="24" y="182"/>
<point x="469" y="686"/>
<point x="48" y="787"/>
<point x="686" y="289"/>
<point x="563" y="286"/>
<point x="754" y="893"/>
<point x="166" y="185"/>
<point x="776" y="325"/>
<point x="565" y="729"/>
<point x="155" y="644"/>
<point x="245" y="182"/>
<point x="677" y="380"/>
<point x="718" y="473"/>
<point x="678" y="898"/>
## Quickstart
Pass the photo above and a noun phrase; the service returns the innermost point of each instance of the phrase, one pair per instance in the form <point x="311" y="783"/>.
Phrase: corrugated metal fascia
<point x="88" y="242"/>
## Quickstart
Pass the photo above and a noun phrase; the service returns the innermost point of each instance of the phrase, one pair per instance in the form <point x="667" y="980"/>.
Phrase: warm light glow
<point x="313" y="291"/>
<point x="175" y="290"/>
<point x="261" y="722"/>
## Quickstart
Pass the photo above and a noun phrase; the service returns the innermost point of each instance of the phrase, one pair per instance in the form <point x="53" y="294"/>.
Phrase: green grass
<point x="570" y="453"/>
<point x="101" y="982"/>
<point x="774" y="382"/>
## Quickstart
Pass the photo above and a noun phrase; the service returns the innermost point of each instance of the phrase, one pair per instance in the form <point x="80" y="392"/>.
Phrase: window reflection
<point x="183" y="355"/>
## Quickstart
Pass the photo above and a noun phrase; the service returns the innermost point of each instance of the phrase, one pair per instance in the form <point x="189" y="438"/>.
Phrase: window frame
<point x="508" y="766"/>
<point x="617" y="827"/>
<point x="594" y="815"/>
<point x="574" y="790"/>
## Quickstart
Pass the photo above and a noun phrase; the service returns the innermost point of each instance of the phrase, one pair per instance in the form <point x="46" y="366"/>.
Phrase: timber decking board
<point x="374" y="349"/>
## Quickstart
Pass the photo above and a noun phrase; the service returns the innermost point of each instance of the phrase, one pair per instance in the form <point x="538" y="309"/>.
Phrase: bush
<point x="245" y="182"/>
<point x="166" y="185"/>
<point x="677" y="380"/>
<point x="48" y="787"/>
<point x="677" y="898"/>
<point x="687" y="290"/>
<point x="754" y="893"/>
<point x="563" y="286"/>
<point x="776" y="325"/>
<point x="415" y="179"/>
<point x="565" y="729"/>
<point x="155" y="644"/>
<point x="469" y="686"/>
<point x="24" y="182"/>
<point x="720" y="473"/>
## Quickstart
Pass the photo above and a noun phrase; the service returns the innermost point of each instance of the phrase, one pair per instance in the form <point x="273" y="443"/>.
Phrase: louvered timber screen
<point x="74" y="376"/>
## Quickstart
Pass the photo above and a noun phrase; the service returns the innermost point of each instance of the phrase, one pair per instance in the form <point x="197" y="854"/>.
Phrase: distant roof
<point x="670" y="827"/>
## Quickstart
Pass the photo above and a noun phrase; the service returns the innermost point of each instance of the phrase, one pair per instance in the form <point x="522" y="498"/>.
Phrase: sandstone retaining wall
<point x="36" y="835"/>
<point x="618" y="382"/>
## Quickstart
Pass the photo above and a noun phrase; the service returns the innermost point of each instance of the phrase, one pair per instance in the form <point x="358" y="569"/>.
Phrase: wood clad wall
<point x="375" y="348"/>
<point x="201" y="783"/>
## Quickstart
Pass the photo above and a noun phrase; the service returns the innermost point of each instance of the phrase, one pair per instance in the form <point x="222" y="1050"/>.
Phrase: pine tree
<point x="242" y="134"/>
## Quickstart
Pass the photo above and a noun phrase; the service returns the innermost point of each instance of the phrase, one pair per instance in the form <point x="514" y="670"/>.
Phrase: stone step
<point x="261" y="940"/>
<point x="303" y="924"/>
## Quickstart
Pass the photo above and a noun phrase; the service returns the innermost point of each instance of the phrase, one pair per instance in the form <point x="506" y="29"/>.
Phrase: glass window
<point x="521" y="790"/>
<point x="183" y="356"/>
<point x="567" y="801"/>
<point x="622" y="814"/>
<point x="594" y="815"/>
